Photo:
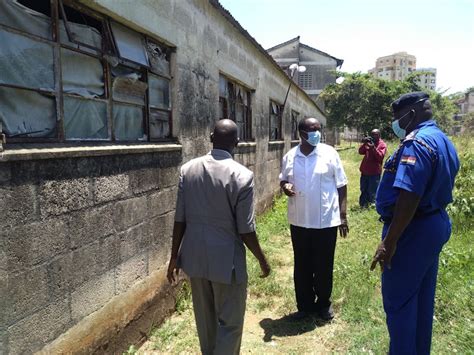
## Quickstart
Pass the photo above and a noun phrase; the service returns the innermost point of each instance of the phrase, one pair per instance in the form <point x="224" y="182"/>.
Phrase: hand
<point x="288" y="189"/>
<point x="265" y="269"/>
<point x="370" y="144"/>
<point x="383" y="255"/>
<point x="344" y="227"/>
<point x="172" y="269"/>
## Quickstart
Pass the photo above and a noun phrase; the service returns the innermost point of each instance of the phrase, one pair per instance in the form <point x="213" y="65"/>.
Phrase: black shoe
<point x="299" y="315"/>
<point x="327" y="313"/>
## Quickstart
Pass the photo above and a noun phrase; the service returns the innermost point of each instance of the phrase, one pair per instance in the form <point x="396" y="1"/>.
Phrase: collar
<point x="298" y="151"/>
<point x="426" y="123"/>
<point x="220" y="153"/>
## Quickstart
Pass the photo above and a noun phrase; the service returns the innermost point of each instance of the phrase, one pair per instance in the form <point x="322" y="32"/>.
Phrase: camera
<point x="368" y="139"/>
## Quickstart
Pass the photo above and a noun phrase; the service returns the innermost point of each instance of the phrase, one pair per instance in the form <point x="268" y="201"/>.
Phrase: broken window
<point x="128" y="85"/>
<point x="100" y="78"/>
<point x="79" y="29"/>
<point x="275" y="121"/>
<point x="234" y="104"/>
<point x="159" y="57"/>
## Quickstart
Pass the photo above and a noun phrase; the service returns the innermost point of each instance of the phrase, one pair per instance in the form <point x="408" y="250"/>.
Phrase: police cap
<point x="409" y="99"/>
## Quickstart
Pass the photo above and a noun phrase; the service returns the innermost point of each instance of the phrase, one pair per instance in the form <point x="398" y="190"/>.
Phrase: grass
<point x="360" y="321"/>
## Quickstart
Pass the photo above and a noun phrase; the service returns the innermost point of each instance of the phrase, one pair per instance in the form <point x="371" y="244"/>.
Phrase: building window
<point x="305" y="80"/>
<point x="294" y="125"/>
<point x="235" y="104"/>
<point x="70" y="74"/>
<point x="275" y="133"/>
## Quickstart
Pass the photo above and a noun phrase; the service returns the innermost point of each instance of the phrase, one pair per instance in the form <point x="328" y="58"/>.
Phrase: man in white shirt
<point x="313" y="178"/>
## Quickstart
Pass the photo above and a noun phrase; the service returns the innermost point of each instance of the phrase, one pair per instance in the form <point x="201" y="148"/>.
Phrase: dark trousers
<point x="314" y="260"/>
<point x="408" y="288"/>
<point x="368" y="188"/>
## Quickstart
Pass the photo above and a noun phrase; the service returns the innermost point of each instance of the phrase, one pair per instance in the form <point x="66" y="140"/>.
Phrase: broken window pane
<point x="25" y="113"/>
<point x="130" y="44"/>
<point x="82" y="74"/>
<point x="23" y="18"/>
<point x="159" y="91"/>
<point x="127" y="86"/>
<point x="128" y="122"/>
<point x="83" y="29"/>
<point x="25" y="62"/>
<point x="159" y="58"/>
<point x="159" y="124"/>
<point x="85" y="119"/>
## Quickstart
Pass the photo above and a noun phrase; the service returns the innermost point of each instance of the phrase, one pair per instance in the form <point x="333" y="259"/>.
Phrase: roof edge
<point x="228" y="16"/>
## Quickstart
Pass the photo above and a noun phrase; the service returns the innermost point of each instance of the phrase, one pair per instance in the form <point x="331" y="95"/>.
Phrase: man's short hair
<point x="409" y="99"/>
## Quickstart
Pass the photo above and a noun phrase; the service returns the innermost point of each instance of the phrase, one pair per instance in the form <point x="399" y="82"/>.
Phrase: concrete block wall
<point x="84" y="240"/>
<point x="76" y="232"/>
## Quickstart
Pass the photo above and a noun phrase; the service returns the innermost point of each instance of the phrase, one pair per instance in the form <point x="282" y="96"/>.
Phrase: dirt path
<point x="267" y="329"/>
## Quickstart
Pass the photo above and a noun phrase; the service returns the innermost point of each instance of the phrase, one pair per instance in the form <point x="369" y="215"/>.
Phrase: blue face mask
<point x="313" y="138"/>
<point x="399" y="131"/>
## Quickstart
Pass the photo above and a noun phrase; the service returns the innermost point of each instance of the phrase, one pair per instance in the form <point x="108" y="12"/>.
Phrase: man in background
<point x="214" y="220"/>
<point x="373" y="149"/>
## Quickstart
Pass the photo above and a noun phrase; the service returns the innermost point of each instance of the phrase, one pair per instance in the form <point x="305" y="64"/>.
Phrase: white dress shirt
<point x="315" y="178"/>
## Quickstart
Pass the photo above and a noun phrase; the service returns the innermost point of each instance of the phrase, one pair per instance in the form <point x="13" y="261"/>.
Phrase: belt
<point x="418" y="214"/>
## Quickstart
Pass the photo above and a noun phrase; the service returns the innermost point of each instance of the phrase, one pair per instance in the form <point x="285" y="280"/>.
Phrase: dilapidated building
<point x="101" y="101"/>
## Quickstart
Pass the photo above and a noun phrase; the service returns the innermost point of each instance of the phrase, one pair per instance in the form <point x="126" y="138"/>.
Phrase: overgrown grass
<point x="360" y="325"/>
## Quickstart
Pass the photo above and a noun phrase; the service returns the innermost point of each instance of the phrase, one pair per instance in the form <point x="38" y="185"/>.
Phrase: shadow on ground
<point x="288" y="326"/>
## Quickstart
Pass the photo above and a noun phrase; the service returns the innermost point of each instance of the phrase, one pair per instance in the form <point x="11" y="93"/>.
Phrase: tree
<point x="364" y="102"/>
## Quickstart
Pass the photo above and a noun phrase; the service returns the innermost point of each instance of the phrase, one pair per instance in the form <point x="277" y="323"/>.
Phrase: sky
<point x="439" y="33"/>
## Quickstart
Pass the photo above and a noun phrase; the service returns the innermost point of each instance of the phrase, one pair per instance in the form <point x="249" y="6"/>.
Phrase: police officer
<point x="412" y="197"/>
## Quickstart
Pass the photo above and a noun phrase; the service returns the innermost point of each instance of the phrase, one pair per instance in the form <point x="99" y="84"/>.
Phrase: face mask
<point x="313" y="138"/>
<point x="399" y="131"/>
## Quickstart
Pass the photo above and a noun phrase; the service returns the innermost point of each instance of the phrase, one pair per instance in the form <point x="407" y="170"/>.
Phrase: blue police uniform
<point x="426" y="164"/>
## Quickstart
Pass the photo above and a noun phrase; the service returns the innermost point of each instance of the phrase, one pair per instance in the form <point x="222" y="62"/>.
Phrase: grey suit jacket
<point x="215" y="199"/>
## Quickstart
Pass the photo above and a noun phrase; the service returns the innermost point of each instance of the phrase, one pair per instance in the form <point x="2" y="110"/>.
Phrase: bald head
<point x="375" y="134"/>
<point x="225" y="135"/>
<point x="306" y="123"/>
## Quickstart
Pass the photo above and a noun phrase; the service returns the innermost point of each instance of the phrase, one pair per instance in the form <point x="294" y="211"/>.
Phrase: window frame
<point x="58" y="15"/>
<point x="279" y="115"/>
<point x="229" y="105"/>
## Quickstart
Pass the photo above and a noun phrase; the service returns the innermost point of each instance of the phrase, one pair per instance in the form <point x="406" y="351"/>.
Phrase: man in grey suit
<point x="214" y="219"/>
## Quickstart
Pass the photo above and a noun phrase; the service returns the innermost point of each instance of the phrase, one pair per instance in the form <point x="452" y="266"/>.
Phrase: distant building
<point x="320" y="68"/>
<point x="319" y="65"/>
<point x="394" y="67"/>
<point x="427" y="78"/>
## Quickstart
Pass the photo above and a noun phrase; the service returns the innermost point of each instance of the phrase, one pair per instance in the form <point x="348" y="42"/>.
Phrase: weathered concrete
<point x="86" y="231"/>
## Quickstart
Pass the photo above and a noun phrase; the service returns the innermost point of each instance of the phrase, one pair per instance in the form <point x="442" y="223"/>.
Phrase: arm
<point x="405" y="209"/>
<point x="363" y="149"/>
<point x="178" y="232"/>
<point x="378" y="152"/>
<point x="344" y="227"/>
<point x="251" y="242"/>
